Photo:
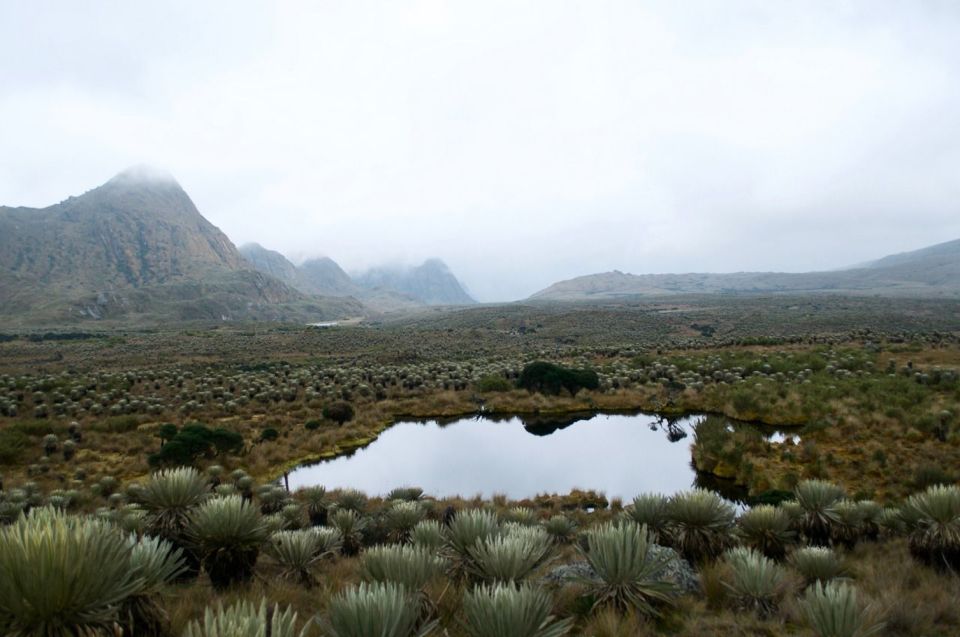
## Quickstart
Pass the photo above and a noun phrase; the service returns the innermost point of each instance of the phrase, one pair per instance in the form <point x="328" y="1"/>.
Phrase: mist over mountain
<point x="930" y="271"/>
<point x="136" y="246"/>
<point x="431" y="282"/>
<point x="383" y="289"/>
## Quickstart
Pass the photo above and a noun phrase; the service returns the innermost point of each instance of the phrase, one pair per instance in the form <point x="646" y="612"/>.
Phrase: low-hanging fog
<point x="521" y="142"/>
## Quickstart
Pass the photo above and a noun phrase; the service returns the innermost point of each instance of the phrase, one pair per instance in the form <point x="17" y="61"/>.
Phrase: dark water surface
<point x="617" y="454"/>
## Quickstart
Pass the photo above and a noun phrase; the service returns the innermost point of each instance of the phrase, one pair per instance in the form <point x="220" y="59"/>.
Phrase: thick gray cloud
<point x="522" y="142"/>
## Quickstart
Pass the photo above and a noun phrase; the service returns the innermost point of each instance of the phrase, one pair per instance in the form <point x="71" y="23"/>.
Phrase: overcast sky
<point x="521" y="142"/>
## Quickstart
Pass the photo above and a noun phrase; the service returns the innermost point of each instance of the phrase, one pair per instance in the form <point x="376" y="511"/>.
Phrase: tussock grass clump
<point x="227" y="533"/>
<point x="817" y="564"/>
<point x="411" y="566"/>
<point x="701" y="525"/>
<point x="510" y="557"/>
<point x="243" y="619"/>
<point x="652" y="510"/>
<point x="757" y="582"/>
<point x="508" y="611"/>
<point x="935" y="536"/>
<point x="832" y="610"/>
<point x="818" y="498"/>
<point x="630" y="577"/>
<point x="384" y="609"/>
<point x="62" y="576"/>
<point x="767" y="529"/>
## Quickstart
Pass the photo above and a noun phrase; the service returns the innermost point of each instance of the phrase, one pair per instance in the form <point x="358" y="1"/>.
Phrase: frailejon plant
<point x="935" y="537"/>
<point x="652" y="510"/>
<point x="817" y="564"/>
<point x="509" y="611"/>
<point x="402" y="516"/>
<point x="427" y="534"/>
<point x="384" y="609"/>
<point x="510" y="557"/>
<point x="701" y="525"/>
<point x="832" y="610"/>
<point x="847" y="527"/>
<point x="561" y="529"/>
<point x="169" y="497"/>
<point x="818" y="498"/>
<point x="227" y="533"/>
<point x="466" y="529"/>
<point x="157" y="564"/>
<point x="411" y="566"/>
<point x="630" y="576"/>
<point x="296" y="552"/>
<point x="757" y="582"/>
<point x="63" y="576"/>
<point x="243" y="619"/>
<point x="317" y="503"/>
<point x="351" y="526"/>
<point x="767" y="529"/>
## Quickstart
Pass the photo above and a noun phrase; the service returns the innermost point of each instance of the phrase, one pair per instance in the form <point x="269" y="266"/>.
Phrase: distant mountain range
<point x="928" y="272"/>
<point x="383" y="288"/>
<point x="137" y="248"/>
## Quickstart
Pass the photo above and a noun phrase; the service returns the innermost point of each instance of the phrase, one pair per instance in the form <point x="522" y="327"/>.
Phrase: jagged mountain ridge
<point x="384" y="289"/>
<point x="930" y="271"/>
<point x="136" y="247"/>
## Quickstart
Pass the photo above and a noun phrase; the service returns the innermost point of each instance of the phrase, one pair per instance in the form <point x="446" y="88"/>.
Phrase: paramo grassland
<point x="155" y="451"/>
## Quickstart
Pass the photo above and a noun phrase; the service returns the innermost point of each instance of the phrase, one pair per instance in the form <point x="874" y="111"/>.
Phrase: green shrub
<point x="630" y="577"/>
<point x="339" y="412"/>
<point x="493" y="383"/>
<point x="509" y="611"/>
<point x="549" y="378"/>
<point x="196" y="441"/>
<point x="13" y="444"/>
<point x="269" y="434"/>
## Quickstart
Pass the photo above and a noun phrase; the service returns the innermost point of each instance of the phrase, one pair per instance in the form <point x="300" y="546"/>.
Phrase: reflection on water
<point x="620" y="455"/>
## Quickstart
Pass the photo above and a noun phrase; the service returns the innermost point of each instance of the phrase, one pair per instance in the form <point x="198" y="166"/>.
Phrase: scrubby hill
<point x="932" y="271"/>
